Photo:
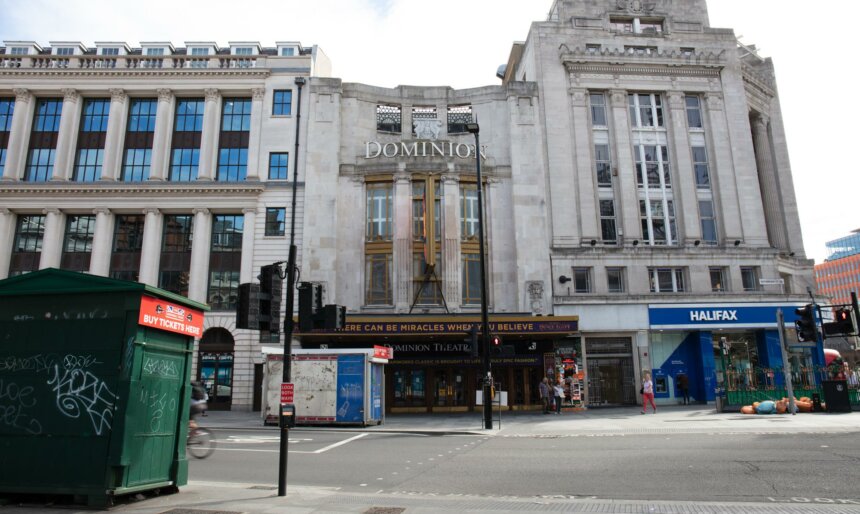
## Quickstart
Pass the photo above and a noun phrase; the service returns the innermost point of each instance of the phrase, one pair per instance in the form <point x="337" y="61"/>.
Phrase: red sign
<point x="164" y="315"/>
<point x="287" y="392"/>
<point x="383" y="352"/>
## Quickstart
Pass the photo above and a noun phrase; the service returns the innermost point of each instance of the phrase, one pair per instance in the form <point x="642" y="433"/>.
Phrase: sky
<point x="461" y="43"/>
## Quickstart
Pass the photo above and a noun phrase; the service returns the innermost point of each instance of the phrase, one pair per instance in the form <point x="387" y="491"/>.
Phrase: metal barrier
<point x="746" y="386"/>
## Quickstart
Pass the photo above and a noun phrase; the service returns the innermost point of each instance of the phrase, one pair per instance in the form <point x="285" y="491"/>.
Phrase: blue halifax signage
<point x="707" y="316"/>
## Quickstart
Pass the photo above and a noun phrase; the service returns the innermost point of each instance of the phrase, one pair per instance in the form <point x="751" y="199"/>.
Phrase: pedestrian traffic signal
<point x="310" y="304"/>
<point x="496" y="344"/>
<point x="270" y="298"/>
<point x="842" y="325"/>
<point x="248" y="307"/>
<point x="805" y="324"/>
<point x="473" y="340"/>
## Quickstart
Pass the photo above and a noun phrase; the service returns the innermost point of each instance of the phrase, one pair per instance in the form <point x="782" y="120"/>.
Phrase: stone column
<point x="161" y="137"/>
<point x="67" y="137"/>
<point x="112" y="163"/>
<point x="150" y="251"/>
<point x="246" y="269"/>
<point x="768" y="182"/>
<point x="198" y="281"/>
<point x="7" y="236"/>
<point x="685" y="197"/>
<point x="627" y="185"/>
<point x="452" y="260"/>
<point x="254" y="137"/>
<point x="722" y="170"/>
<point x="589" y="213"/>
<point x="22" y="120"/>
<point x="102" y="243"/>
<point x="52" y="240"/>
<point x="209" y="137"/>
<point x="402" y="258"/>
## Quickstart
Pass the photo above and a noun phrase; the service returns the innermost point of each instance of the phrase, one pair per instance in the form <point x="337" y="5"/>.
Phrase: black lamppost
<point x="291" y="292"/>
<point x="473" y="128"/>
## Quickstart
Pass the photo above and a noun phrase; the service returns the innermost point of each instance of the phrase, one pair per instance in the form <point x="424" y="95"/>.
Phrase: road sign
<point x="771" y="281"/>
<point x="287" y="392"/>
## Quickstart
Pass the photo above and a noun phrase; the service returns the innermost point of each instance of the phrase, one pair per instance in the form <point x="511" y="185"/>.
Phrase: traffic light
<point x="270" y="298"/>
<point x="496" y="344"/>
<point x="334" y="317"/>
<point x="805" y="324"/>
<point x="248" y="307"/>
<point x="842" y="325"/>
<point x="473" y="340"/>
<point x="310" y="304"/>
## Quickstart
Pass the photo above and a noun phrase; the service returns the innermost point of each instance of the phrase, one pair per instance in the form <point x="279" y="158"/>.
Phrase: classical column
<point x="102" y="242"/>
<point x="768" y="182"/>
<point x="685" y="198"/>
<point x="246" y="269"/>
<point x="198" y="282"/>
<point x="254" y="159"/>
<point x="626" y="166"/>
<point x="588" y="211"/>
<point x="452" y="259"/>
<point x="52" y="239"/>
<point x="112" y="162"/>
<point x="150" y="251"/>
<point x="22" y="120"/>
<point x="722" y="172"/>
<point x="7" y="235"/>
<point x="209" y="137"/>
<point x="162" y="135"/>
<point x="67" y="136"/>
<point x="402" y="265"/>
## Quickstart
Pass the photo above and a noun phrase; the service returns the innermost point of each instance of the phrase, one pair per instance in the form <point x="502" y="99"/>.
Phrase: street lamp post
<point x="473" y="128"/>
<point x="291" y="290"/>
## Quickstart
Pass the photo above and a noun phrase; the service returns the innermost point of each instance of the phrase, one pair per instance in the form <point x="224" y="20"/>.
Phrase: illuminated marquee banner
<point x="520" y="326"/>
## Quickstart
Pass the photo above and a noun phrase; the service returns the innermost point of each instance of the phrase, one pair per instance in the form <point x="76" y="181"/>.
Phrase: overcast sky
<point x="460" y="43"/>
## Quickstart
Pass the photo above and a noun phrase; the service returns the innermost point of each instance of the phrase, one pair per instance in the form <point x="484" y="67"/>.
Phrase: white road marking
<point x="335" y="445"/>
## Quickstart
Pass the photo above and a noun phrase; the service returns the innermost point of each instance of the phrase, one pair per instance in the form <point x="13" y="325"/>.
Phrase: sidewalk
<point x="669" y="419"/>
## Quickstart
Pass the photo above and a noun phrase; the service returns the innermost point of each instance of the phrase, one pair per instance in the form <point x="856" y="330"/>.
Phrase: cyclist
<point x="198" y="402"/>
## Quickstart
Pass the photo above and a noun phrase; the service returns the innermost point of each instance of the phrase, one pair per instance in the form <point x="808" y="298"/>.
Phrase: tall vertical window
<point x="694" y="112"/>
<point x="603" y="165"/>
<point x="582" y="280"/>
<point x="378" y="245"/>
<point x="127" y="245"/>
<point x="141" y="115"/>
<point x="471" y="294"/>
<point x="175" y="265"/>
<point x="598" y="109"/>
<point x="658" y="222"/>
<point x="700" y="164"/>
<point x="719" y="283"/>
<point x="469" y="212"/>
<point x="470" y="244"/>
<point x="139" y="135"/>
<point x="233" y="142"/>
<point x="236" y="115"/>
<point x="78" y="243"/>
<point x="7" y="107"/>
<point x="187" y="134"/>
<point x="225" y="259"/>
<point x="655" y="204"/>
<point x="275" y="220"/>
<point x="27" y="246"/>
<point x="379" y="213"/>
<point x="749" y="278"/>
<point x="91" y="140"/>
<point x="608" y="232"/>
<point x="282" y="102"/>
<point x="667" y="280"/>
<point x="279" y="165"/>
<point x="652" y="165"/>
<point x="646" y="110"/>
<point x="709" y="222"/>
<point x="615" y="280"/>
<point x="43" y="140"/>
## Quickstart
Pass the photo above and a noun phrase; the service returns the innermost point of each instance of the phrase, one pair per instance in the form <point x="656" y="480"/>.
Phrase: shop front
<point x="718" y="346"/>
<point x="433" y="369"/>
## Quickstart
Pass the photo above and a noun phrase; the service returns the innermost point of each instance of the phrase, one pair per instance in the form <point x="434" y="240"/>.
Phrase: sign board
<point x="383" y="352"/>
<point x="164" y="315"/>
<point x="710" y="316"/>
<point x="771" y="281"/>
<point x="287" y="390"/>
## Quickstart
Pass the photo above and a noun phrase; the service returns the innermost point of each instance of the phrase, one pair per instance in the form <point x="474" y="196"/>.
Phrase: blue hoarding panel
<point x="376" y="387"/>
<point x="350" y="389"/>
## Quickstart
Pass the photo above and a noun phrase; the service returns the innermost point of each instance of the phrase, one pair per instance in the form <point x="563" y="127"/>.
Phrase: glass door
<point x="449" y="391"/>
<point x="409" y="388"/>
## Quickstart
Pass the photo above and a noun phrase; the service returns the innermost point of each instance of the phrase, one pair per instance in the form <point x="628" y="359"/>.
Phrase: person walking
<point x="544" y="394"/>
<point x="684" y="387"/>
<point x="647" y="393"/>
<point x="558" y="388"/>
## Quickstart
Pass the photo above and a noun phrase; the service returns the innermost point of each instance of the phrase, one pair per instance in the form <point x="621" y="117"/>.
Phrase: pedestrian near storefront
<point x="544" y="394"/>
<point x="647" y="392"/>
<point x="558" y="388"/>
<point x="684" y="387"/>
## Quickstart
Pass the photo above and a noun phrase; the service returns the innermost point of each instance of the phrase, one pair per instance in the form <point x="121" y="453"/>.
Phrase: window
<point x="184" y="164"/>
<point x="378" y="245"/>
<point x="29" y="233"/>
<point x="471" y="279"/>
<point x="709" y="223"/>
<point x="687" y="51"/>
<point x="427" y="279"/>
<point x="78" y="243"/>
<point x="640" y="50"/>
<point x="282" y="102"/>
<point x="379" y="212"/>
<point x="603" y="165"/>
<point x="19" y="50"/>
<point x="598" y="109"/>
<point x="288" y="52"/>
<point x="657" y="227"/>
<point x="189" y="115"/>
<point x="719" y="284"/>
<point x="177" y="233"/>
<point x="7" y="108"/>
<point x="458" y="117"/>
<point x="666" y="280"/>
<point x="378" y="277"/>
<point x="593" y="49"/>
<point x="225" y="261"/>
<point x="650" y="27"/>
<point x="135" y="165"/>
<point x="694" y="112"/>
<point x="175" y="262"/>
<point x="40" y="165"/>
<point x="65" y="51"/>
<point x="244" y="50"/>
<point x="615" y="280"/>
<point x="275" y="220"/>
<point x="88" y="165"/>
<point x="582" y="280"/>
<point x="749" y="278"/>
<point x="608" y="232"/>
<point x="700" y="164"/>
<point x="48" y="113"/>
<point x="388" y="118"/>
<point x="279" y="165"/>
<point x="236" y="116"/>
<point x="652" y="161"/>
<point x="2" y="161"/>
<point x="95" y="115"/>
<point x="128" y="233"/>
<point x="199" y="51"/>
<point x="422" y="113"/>
<point x="141" y="115"/>
<point x="110" y="51"/>
<point x="155" y="51"/>
<point x="646" y="110"/>
<point x="232" y="164"/>
<point x="91" y="139"/>
<point x="623" y="25"/>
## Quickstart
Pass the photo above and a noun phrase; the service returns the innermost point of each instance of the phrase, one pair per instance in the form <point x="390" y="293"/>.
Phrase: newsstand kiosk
<point x="94" y="386"/>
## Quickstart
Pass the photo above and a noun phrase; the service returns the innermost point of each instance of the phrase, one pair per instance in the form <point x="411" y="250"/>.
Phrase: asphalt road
<point x="799" y="468"/>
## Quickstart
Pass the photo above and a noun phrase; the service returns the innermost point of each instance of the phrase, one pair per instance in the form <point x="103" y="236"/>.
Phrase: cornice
<point x="163" y="189"/>
<point x="646" y="69"/>
<point x="617" y="62"/>
<point x="155" y="73"/>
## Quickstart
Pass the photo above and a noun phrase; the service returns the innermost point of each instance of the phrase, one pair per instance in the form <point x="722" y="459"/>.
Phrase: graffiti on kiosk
<point x="78" y="390"/>
<point x="161" y="367"/>
<point x="15" y="401"/>
<point x="45" y="362"/>
<point x="158" y="406"/>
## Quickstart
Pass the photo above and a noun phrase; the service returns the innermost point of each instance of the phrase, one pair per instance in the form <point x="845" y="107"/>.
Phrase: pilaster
<point x="685" y="197"/>
<point x="150" y="251"/>
<point x="101" y="252"/>
<point x="22" y="120"/>
<point x="246" y="269"/>
<point x="198" y="281"/>
<point x="67" y="136"/>
<point x="767" y="180"/>
<point x="452" y="266"/>
<point x="723" y="169"/>
<point x="162" y="136"/>
<point x="587" y="209"/>
<point x="402" y="258"/>
<point x="254" y="159"/>
<point x="209" y="136"/>
<point x="112" y="163"/>
<point x="52" y="240"/>
<point x="7" y="236"/>
<point x="627" y="184"/>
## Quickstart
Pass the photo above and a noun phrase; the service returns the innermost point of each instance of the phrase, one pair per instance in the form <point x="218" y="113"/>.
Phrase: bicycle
<point x="200" y="442"/>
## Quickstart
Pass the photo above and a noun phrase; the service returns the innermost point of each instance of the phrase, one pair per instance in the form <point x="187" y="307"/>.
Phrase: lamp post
<point x="473" y="128"/>
<point x="291" y="291"/>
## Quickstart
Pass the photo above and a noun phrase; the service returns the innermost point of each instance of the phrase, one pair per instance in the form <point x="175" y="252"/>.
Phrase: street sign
<point x="287" y="392"/>
<point x="771" y="281"/>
